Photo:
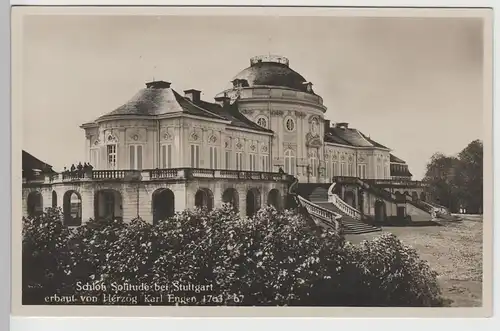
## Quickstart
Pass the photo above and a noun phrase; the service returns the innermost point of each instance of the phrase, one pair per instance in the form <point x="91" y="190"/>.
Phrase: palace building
<point x="164" y="151"/>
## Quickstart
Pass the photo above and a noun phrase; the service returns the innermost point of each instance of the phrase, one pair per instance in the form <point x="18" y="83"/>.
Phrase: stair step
<point x="351" y="225"/>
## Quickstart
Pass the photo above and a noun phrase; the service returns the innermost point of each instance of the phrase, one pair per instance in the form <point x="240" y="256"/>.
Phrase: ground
<point x="453" y="249"/>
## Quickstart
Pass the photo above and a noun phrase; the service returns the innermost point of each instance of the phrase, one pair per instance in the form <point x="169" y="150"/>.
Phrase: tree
<point x="471" y="175"/>
<point x="456" y="181"/>
<point x="440" y="176"/>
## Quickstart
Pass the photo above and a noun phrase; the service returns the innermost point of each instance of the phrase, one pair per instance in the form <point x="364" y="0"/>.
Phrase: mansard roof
<point x="158" y="99"/>
<point x="231" y="113"/>
<point x="350" y="137"/>
<point x="395" y="159"/>
<point x="31" y="163"/>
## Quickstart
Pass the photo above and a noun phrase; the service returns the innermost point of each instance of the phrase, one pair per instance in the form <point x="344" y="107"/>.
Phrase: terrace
<point x="152" y="175"/>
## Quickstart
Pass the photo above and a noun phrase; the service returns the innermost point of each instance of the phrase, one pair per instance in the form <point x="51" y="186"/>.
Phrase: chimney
<point x="193" y="95"/>
<point x="327" y="125"/>
<point x="342" y="125"/>
<point x="159" y="84"/>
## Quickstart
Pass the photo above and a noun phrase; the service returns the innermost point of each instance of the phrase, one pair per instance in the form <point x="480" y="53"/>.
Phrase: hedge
<point x="271" y="259"/>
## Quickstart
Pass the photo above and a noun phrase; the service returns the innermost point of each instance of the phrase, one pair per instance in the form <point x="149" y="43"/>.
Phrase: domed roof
<point x="271" y="70"/>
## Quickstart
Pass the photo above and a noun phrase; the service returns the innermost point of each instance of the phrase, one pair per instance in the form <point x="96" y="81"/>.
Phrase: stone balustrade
<point x="154" y="174"/>
<point x="280" y="93"/>
<point x="329" y="217"/>
<point x="397" y="183"/>
<point x="344" y="207"/>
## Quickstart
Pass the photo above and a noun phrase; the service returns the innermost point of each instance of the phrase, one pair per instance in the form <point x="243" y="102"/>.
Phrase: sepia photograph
<point x="292" y="159"/>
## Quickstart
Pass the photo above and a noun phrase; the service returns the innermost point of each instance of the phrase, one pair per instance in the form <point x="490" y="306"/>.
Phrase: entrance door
<point x="401" y="212"/>
<point x="109" y="205"/>
<point x="380" y="212"/>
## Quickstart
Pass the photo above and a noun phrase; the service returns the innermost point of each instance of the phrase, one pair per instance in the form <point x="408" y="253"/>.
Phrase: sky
<point x="412" y="84"/>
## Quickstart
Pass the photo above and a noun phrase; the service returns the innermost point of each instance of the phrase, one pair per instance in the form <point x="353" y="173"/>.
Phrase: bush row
<point x="273" y="258"/>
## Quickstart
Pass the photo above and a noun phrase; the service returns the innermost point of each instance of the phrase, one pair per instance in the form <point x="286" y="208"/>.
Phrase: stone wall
<point x="137" y="197"/>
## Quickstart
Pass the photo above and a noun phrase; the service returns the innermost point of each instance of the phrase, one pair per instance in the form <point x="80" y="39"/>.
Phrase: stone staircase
<point x="319" y="196"/>
<point x="351" y="225"/>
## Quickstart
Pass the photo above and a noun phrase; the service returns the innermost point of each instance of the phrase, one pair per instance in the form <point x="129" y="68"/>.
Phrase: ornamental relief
<point x="239" y="145"/>
<point x="277" y="112"/>
<point x="264" y="149"/>
<point x="166" y="134"/>
<point x="312" y="153"/>
<point x="110" y="137"/>
<point x="136" y="134"/>
<point x="300" y="114"/>
<point x="212" y="139"/>
<point x="313" y="141"/>
<point x="194" y="136"/>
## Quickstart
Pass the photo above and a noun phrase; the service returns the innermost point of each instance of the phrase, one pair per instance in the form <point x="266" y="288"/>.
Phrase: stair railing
<point x="310" y="209"/>
<point x="329" y="217"/>
<point x="342" y="205"/>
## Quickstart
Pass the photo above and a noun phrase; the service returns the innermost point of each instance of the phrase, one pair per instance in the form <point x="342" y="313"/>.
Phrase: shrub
<point x="45" y="256"/>
<point x="392" y="274"/>
<point x="273" y="258"/>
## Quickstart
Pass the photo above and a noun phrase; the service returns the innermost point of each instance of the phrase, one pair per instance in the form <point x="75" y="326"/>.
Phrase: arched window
<point x="163" y="204"/>
<point x="35" y="204"/>
<point x="274" y="198"/>
<point x="230" y="196"/>
<point x="262" y="121"/>
<point x="204" y="198"/>
<point x="290" y="162"/>
<point x="72" y="208"/>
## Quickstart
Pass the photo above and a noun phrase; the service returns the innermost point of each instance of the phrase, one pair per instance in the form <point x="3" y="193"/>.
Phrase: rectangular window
<point x="362" y="171"/>
<point x="335" y="169"/>
<point x="379" y="171"/>
<point x="252" y="162"/>
<point x="228" y="160"/>
<point x="166" y="156"/>
<point x="351" y="170"/>
<point x="239" y="161"/>
<point x="213" y="158"/>
<point x="195" y="156"/>
<point x="135" y="156"/>
<point x="111" y="156"/>
<point x="265" y="163"/>
<point x="342" y="170"/>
